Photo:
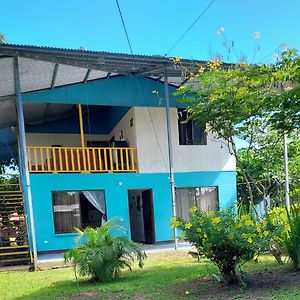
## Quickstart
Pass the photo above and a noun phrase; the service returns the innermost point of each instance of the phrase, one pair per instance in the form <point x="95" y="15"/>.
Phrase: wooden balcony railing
<point x="81" y="160"/>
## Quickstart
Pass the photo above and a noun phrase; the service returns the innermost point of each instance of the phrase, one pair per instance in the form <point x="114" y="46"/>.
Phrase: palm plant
<point x="291" y="240"/>
<point x="103" y="252"/>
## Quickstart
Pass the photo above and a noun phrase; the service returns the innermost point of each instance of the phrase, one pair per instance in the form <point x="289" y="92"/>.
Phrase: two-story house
<point x="93" y="142"/>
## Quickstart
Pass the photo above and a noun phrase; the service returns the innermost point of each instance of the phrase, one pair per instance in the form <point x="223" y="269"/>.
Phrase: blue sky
<point x="155" y="25"/>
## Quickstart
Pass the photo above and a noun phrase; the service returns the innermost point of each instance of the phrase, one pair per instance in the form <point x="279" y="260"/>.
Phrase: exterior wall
<point x="116" y="192"/>
<point x="67" y="140"/>
<point x="129" y="133"/>
<point x="152" y="146"/>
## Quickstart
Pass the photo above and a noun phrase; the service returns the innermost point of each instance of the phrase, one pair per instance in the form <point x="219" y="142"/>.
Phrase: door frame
<point x="150" y="240"/>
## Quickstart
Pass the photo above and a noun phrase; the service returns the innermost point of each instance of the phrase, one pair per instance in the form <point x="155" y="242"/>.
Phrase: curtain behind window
<point x="205" y="198"/>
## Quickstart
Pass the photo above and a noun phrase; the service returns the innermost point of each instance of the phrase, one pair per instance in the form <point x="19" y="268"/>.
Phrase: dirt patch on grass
<point x="261" y="284"/>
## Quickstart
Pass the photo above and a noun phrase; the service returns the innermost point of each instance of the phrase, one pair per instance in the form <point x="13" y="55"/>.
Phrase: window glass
<point x="190" y="133"/>
<point x="205" y="198"/>
<point x="78" y="209"/>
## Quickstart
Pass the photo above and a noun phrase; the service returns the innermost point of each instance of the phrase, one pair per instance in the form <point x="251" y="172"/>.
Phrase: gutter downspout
<point x="24" y="159"/>
<point x="171" y="167"/>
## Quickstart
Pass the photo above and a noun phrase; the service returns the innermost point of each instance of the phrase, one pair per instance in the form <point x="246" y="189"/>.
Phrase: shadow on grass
<point x="153" y="280"/>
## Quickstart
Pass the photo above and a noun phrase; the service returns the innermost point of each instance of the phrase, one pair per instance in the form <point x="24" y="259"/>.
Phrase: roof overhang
<point x="43" y="68"/>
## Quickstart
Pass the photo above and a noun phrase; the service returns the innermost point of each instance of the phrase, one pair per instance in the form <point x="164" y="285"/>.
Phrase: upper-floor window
<point x="190" y="133"/>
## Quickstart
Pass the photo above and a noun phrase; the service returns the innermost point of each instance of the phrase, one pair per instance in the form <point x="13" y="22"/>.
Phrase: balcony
<point x="82" y="159"/>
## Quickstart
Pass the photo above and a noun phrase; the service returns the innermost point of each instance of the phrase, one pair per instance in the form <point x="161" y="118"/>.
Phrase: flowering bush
<point x="226" y="239"/>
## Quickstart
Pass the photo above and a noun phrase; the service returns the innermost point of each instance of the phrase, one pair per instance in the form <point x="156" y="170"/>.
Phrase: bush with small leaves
<point x="227" y="239"/>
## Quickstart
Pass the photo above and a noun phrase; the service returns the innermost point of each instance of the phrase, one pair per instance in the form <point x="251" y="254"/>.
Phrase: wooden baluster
<point x="67" y="160"/>
<point x="48" y="160"/>
<point x="127" y="160"/>
<point x="61" y="168"/>
<point x="111" y="160"/>
<point x="78" y="159"/>
<point x="116" y="150"/>
<point x="132" y="159"/>
<point x="88" y="159"/>
<point x="29" y="158"/>
<point x="35" y="160"/>
<point x="42" y="159"/>
<point x="122" y="160"/>
<point x="105" y="159"/>
<point x="54" y="160"/>
<point x="136" y="162"/>
<point x="72" y="160"/>
<point x="94" y="160"/>
<point x="100" y="159"/>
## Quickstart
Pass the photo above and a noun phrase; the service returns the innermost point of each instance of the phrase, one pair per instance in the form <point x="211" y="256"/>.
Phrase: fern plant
<point x="103" y="252"/>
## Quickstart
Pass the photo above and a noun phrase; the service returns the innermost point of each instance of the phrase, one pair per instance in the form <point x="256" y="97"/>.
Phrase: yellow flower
<point x="176" y="59"/>
<point x="265" y="233"/>
<point x="187" y="292"/>
<point x="193" y="209"/>
<point x="249" y="223"/>
<point x="188" y="225"/>
<point x="201" y="70"/>
<point x="174" y="222"/>
<point x="250" y="240"/>
<point x="216" y="220"/>
<point x="258" y="228"/>
<point x="244" y="235"/>
<point x="198" y="230"/>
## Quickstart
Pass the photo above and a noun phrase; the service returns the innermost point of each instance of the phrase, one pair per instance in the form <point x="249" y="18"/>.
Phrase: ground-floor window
<point x="205" y="198"/>
<point x="78" y="209"/>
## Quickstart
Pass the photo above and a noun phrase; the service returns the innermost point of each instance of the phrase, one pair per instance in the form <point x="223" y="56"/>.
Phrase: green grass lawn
<point x="156" y="280"/>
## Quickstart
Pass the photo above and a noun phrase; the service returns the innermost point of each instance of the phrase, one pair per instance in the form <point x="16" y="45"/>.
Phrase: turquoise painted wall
<point x="116" y="91"/>
<point x="101" y="120"/>
<point x="117" y="199"/>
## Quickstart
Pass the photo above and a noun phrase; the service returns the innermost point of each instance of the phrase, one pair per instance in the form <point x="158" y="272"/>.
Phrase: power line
<point x="142" y="87"/>
<point x="124" y="26"/>
<point x="191" y="26"/>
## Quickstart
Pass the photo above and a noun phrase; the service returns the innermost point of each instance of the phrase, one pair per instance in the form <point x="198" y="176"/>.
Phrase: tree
<point x="249" y="102"/>
<point x="2" y="39"/>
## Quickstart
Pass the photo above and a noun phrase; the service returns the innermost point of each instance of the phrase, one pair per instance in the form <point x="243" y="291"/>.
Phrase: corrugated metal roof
<point x="46" y="67"/>
<point x="37" y="66"/>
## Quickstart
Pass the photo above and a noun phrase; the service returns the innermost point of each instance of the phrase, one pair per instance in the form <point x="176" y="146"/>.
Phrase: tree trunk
<point x="229" y="275"/>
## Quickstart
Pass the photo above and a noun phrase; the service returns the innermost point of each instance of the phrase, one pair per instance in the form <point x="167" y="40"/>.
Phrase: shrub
<point x="224" y="238"/>
<point x="103" y="252"/>
<point x="287" y="233"/>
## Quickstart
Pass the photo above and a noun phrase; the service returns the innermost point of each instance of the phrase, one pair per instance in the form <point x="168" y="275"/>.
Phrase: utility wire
<point x="124" y="26"/>
<point x="190" y="27"/>
<point x="141" y="85"/>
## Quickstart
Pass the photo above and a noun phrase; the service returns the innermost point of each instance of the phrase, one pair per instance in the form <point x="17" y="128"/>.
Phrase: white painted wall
<point x="153" y="149"/>
<point x="63" y="139"/>
<point x="149" y="135"/>
<point x="129" y="133"/>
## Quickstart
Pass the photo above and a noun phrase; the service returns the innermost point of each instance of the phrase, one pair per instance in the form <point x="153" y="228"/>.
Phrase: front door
<point x="141" y="216"/>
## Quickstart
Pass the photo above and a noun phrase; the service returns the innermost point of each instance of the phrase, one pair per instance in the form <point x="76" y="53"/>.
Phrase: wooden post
<point x="82" y="136"/>
<point x="81" y="125"/>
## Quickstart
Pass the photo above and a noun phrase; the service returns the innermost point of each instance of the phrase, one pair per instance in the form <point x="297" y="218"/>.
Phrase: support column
<point x="23" y="159"/>
<point x="286" y="172"/>
<point x="82" y="136"/>
<point x="170" y="150"/>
